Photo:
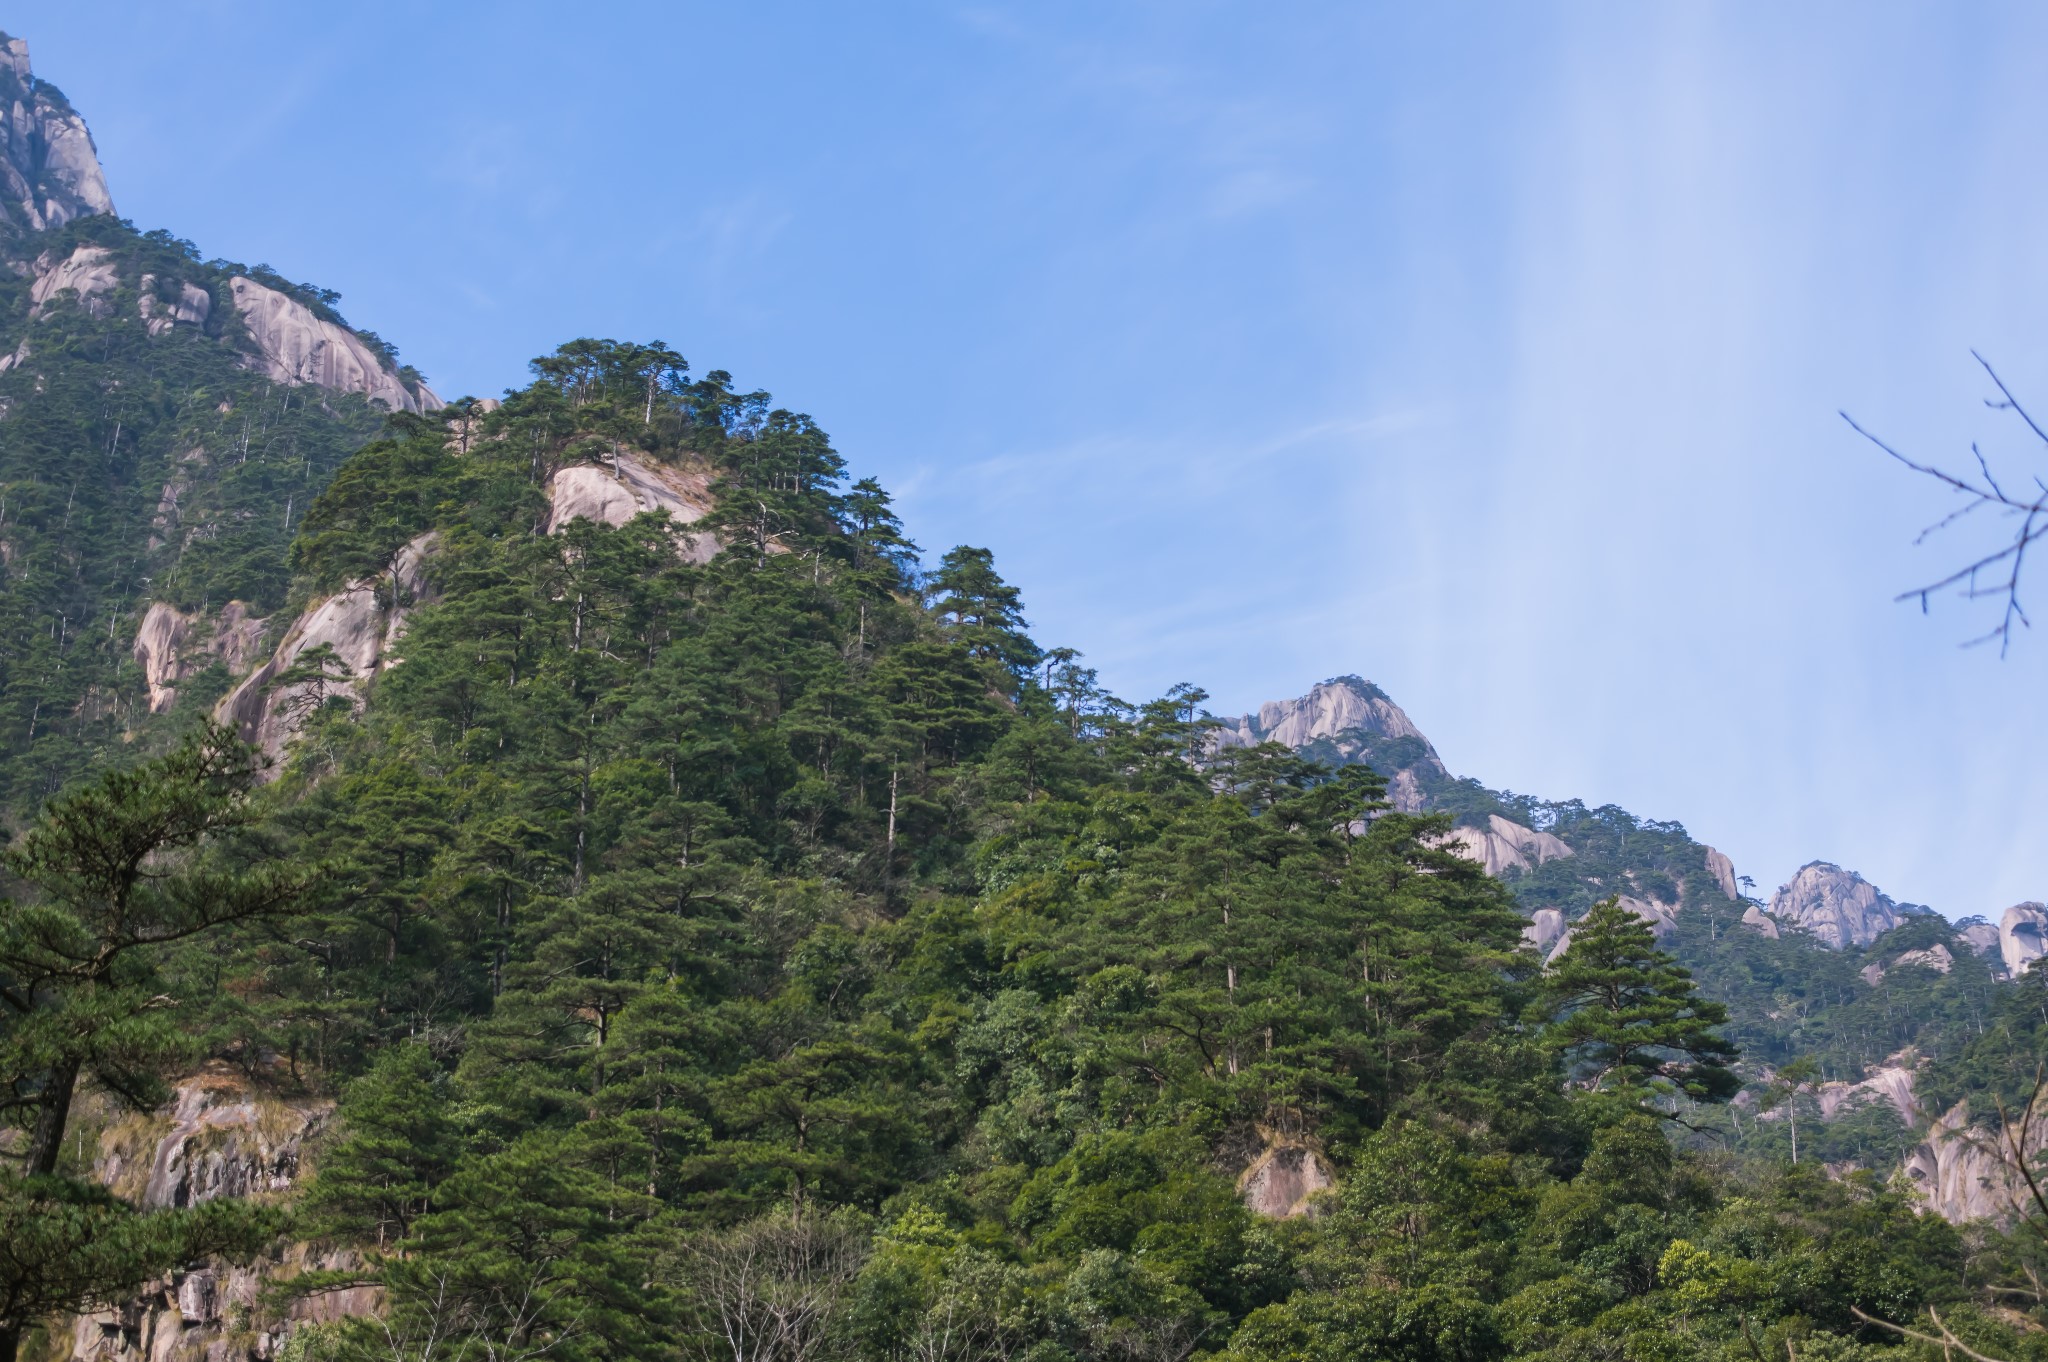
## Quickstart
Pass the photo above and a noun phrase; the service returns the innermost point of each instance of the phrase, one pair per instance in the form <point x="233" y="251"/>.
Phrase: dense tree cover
<point x="115" y="874"/>
<point x="786" y="957"/>
<point x="135" y="467"/>
<point x="1787" y="1000"/>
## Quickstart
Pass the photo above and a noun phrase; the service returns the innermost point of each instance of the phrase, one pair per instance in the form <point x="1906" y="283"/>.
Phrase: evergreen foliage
<point x="785" y="956"/>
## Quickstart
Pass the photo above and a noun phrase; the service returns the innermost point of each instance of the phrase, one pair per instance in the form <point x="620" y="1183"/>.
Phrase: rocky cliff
<point x="1500" y="845"/>
<point x="218" y="1137"/>
<point x="1838" y="907"/>
<point x="295" y="345"/>
<point x="361" y="623"/>
<point x="49" y="169"/>
<point x="2023" y="936"/>
<point x="1964" y="1171"/>
<point x="626" y="485"/>
<point x="1345" y="719"/>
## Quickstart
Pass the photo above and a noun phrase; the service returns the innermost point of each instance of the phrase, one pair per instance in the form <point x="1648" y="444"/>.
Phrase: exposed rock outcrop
<point x="1935" y="957"/>
<point x="1338" y="710"/>
<point x="166" y="650"/>
<point x="1723" y="871"/>
<point x="1754" y="917"/>
<point x="1891" y="1084"/>
<point x="218" y="1137"/>
<point x="1545" y="930"/>
<point x="1661" y="916"/>
<point x="49" y="169"/>
<point x="1838" y="907"/>
<point x="361" y="623"/>
<point x="191" y="306"/>
<point x="1983" y="936"/>
<point x="2023" y="936"/>
<point x="1963" y="1173"/>
<point x="1345" y="719"/>
<point x="1283" y="1181"/>
<point x="1501" y="844"/>
<point x="614" y="495"/>
<point x="88" y="273"/>
<point x="295" y="346"/>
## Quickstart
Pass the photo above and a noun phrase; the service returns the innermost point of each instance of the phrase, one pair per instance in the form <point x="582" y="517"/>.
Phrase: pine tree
<point x="120" y="870"/>
<point x="1626" y="1016"/>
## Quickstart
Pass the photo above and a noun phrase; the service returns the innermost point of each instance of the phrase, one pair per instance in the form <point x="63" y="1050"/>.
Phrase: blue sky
<point x="1489" y="351"/>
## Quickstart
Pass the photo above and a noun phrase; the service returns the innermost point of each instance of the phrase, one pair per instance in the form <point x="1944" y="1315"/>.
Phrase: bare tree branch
<point x="1997" y="574"/>
<point x="1946" y="1341"/>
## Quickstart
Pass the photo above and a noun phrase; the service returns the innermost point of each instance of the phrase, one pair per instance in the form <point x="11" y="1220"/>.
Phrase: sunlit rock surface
<point x="1838" y="907"/>
<point x="162" y="309"/>
<point x="296" y="346"/>
<point x="361" y="622"/>
<point x="2023" y="936"/>
<point x="88" y="274"/>
<point x="615" y="493"/>
<point x="1545" y="929"/>
<point x="1723" y="871"/>
<point x="171" y="645"/>
<point x="49" y="169"/>
<point x="1501" y="845"/>
<point x="219" y="1137"/>
<point x="1964" y="1173"/>
<point x="1891" y="1084"/>
<point x="1983" y="936"/>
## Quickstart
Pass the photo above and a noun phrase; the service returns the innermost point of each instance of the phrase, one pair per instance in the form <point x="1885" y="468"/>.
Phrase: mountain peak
<point x="1345" y="719"/>
<point x="1838" y="907"/>
<point x="49" y="169"/>
<point x="1332" y="708"/>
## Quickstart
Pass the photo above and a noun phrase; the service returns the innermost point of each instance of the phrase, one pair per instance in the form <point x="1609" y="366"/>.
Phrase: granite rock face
<point x="161" y="309"/>
<point x="1501" y="844"/>
<point x="49" y="169"/>
<point x="1346" y="718"/>
<point x="1753" y="917"/>
<point x="1962" y="1172"/>
<point x="1333" y="709"/>
<point x="1958" y="1169"/>
<point x="628" y="486"/>
<point x="1545" y="930"/>
<point x="1891" y="1084"/>
<point x="362" y="623"/>
<point x="1283" y="1181"/>
<point x="295" y="346"/>
<point x="88" y="274"/>
<point x="1838" y="907"/>
<point x="1983" y="936"/>
<point x="2023" y="936"/>
<point x="1723" y="871"/>
<point x="218" y="1137"/>
<point x="171" y="645"/>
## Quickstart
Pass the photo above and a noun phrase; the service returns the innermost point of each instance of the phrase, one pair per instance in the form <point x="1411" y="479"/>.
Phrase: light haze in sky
<point x="1491" y="352"/>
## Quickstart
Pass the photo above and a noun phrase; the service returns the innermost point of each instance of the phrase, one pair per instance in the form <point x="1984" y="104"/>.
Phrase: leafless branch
<point x="1946" y="1341"/>
<point x="1996" y="574"/>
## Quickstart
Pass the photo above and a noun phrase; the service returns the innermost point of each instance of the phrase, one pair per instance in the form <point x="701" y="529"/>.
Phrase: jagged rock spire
<point x="49" y="169"/>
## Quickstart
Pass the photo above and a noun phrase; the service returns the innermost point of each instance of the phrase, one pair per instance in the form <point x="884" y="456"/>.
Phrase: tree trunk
<point x="10" y="1341"/>
<point x="51" y="1118"/>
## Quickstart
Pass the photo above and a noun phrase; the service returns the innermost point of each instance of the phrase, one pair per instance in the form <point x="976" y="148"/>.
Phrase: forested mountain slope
<point x="681" y="909"/>
<point x="567" y="877"/>
<point x="1890" y="1006"/>
<point x="165" y="421"/>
